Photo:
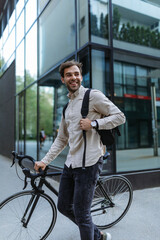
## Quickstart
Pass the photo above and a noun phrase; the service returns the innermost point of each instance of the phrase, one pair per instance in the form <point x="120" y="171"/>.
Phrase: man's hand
<point x="39" y="165"/>
<point x="85" y="124"/>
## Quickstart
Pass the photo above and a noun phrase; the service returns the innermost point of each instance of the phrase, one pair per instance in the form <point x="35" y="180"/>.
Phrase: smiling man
<point x="78" y="184"/>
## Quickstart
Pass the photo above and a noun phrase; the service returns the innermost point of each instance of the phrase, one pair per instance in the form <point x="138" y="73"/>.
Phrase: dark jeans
<point x="75" y="197"/>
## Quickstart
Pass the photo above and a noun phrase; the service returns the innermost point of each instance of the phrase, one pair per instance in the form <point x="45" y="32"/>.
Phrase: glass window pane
<point x="41" y="5"/>
<point x="5" y="34"/>
<point x="142" y="81"/>
<point x="85" y="60"/>
<point x="9" y="46"/>
<point x="136" y="27"/>
<point x="20" y="123"/>
<point x="20" y="67"/>
<point x="12" y="20"/>
<point x="46" y="98"/>
<point x="20" y="28"/>
<point x="129" y="79"/>
<point x="137" y="136"/>
<point x="31" y="13"/>
<point x="53" y="97"/>
<point x="31" y="121"/>
<point x="141" y="76"/>
<point x="99" y="21"/>
<point x="31" y="55"/>
<point x="83" y="31"/>
<point x="118" y="79"/>
<point x="19" y="7"/>
<point x="56" y="40"/>
<point x="98" y="70"/>
<point x="101" y="72"/>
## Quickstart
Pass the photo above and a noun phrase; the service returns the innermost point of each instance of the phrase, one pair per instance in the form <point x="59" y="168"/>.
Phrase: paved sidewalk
<point x="142" y="222"/>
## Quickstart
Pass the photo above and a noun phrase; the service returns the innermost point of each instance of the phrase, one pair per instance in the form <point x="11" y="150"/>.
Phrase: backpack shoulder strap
<point x="85" y="104"/>
<point x="118" y="131"/>
<point x="64" y="109"/>
<point x="84" y="113"/>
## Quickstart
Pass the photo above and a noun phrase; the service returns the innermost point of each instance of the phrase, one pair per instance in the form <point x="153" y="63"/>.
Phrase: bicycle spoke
<point x="107" y="212"/>
<point x="12" y="217"/>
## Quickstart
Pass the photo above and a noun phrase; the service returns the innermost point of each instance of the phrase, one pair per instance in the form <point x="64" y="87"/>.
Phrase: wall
<point x="7" y="108"/>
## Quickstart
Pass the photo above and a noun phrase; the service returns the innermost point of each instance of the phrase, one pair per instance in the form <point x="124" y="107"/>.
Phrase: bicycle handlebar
<point x="27" y="164"/>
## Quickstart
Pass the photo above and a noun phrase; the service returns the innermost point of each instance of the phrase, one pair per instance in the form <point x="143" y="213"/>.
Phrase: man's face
<point x="72" y="78"/>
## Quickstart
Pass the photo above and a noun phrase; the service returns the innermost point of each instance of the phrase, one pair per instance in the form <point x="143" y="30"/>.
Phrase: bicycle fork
<point x="30" y="209"/>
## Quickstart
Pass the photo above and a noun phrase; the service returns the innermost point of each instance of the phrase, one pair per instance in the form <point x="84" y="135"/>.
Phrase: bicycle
<point x="22" y="213"/>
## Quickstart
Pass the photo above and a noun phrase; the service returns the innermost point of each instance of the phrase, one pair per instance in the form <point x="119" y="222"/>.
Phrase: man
<point x="78" y="184"/>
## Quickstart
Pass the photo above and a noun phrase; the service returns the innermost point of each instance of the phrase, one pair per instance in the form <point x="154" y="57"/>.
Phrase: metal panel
<point x="7" y="108"/>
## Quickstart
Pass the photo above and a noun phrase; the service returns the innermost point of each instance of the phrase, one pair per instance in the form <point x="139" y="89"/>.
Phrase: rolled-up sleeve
<point x="58" y="145"/>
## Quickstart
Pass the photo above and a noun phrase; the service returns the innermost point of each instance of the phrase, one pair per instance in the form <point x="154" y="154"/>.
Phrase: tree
<point x="116" y="22"/>
<point x="94" y="27"/>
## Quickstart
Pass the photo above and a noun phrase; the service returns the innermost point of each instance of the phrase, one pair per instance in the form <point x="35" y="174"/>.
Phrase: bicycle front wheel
<point x="112" y="199"/>
<point x="27" y="215"/>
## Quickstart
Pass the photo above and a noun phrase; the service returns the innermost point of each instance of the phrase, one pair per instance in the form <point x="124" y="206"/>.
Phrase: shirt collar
<point x="75" y="94"/>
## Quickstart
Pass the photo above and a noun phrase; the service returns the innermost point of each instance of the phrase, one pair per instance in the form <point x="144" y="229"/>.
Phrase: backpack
<point x="107" y="136"/>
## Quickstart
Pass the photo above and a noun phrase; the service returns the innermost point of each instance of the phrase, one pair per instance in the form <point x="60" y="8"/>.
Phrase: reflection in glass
<point x="31" y="13"/>
<point x="138" y="137"/>
<point x="19" y="7"/>
<point x="31" y="121"/>
<point x="99" y="21"/>
<point x="31" y="55"/>
<point x="142" y="81"/>
<point x="12" y="21"/>
<point x="129" y="79"/>
<point x="137" y="24"/>
<point x="46" y="97"/>
<point x="20" y="28"/>
<point x="5" y="34"/>
<point x="0" y="43"/>
<point x="20" y="67"/>
<point x="53" y="34"/>
<point x="118" y="80"/>
<point x="41" y="5"/>
<point x="83" y="17"/>
<point x="20" y="124"/>
<point x="98" y="70"/>
<point x="85" y="60"/>
<point x="9" y="46"/>
<point x="52" y="98"/>
<point x="154" y="75"/>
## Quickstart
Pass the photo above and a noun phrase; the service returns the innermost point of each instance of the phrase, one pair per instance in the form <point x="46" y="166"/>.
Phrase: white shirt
<point x="70" y="132"/>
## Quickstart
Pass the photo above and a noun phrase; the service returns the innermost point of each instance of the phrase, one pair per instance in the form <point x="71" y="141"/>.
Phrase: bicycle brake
<point x="14" y="157"/>
<point x="13" y="161"/>
<point x="25" y="183"/>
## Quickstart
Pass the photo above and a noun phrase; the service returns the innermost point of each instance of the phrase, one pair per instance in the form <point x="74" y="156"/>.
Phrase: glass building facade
<point x="118" y="42"/>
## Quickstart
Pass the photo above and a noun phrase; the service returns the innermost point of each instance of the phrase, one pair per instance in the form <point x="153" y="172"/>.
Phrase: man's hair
<point x="69" y="64"/>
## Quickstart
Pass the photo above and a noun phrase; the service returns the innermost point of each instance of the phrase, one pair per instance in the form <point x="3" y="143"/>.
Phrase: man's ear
<point x="62" y="79"/>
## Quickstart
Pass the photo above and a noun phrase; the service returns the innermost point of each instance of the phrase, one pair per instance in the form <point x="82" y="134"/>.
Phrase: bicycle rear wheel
<point x="14" y="212"/>
<point x="119" y="190"/>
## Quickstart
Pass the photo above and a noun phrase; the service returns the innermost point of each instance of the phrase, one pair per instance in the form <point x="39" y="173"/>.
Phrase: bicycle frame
<point x="105" y="203"/>
<point x="47" y="184"/>
<point x="35" y="197"/>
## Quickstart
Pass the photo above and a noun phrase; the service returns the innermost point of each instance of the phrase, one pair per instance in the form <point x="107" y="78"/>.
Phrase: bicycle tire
<point x="119" y="189"/>
<point x="40" y="224"/>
